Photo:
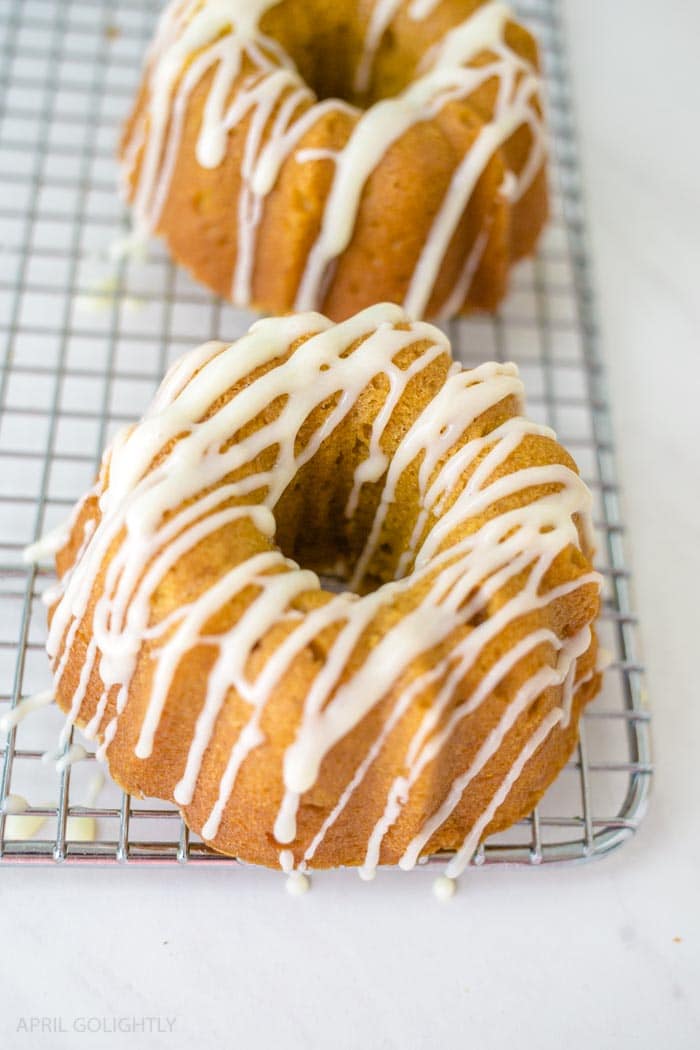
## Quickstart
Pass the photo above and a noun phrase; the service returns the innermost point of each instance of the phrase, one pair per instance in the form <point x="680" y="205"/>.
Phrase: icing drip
<point x="20" y="711"/>
<point x="444" y="888"/>
<point x="383" y="13"/>
<point x="222" y="37"/>
<point x="51" y="595"/>
<point x="49" y="544"/>
<point x="286" y="861"/>
<point x="166" y="486"/>
<point x="62" y="760"/>
<point x="298" y="884"/>
<point x="75" y="753"/>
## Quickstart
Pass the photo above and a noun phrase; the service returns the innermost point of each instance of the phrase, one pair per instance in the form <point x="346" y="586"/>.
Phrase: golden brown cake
<point x="330" y="154"/>
<point x="425" y="706"/>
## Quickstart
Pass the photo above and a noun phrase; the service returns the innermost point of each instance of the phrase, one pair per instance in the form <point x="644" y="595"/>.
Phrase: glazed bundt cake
<point x="330" y="154"/>
<point x="425" y="706"/>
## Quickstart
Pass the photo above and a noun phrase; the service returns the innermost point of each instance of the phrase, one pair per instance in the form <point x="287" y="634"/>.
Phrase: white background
<point x="604" y="955"/>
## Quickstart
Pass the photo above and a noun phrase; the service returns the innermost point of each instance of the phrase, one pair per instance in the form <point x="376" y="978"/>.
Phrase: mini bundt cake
<point x="330" y="154"/>
<point x="426" y="706"/>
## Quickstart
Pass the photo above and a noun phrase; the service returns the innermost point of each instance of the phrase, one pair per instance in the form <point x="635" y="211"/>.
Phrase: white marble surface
<point x="605" y="955"/>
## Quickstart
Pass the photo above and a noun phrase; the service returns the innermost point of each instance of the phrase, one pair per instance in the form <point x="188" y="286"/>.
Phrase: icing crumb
<point x="444" y="887"/>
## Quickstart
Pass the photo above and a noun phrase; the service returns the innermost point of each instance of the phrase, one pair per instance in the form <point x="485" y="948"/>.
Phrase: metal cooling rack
<point x="86" y="340"/>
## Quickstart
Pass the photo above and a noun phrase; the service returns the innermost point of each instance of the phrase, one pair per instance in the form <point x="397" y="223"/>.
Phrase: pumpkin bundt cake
<point x="329" y="154"/>
<point x="425" y="706"/>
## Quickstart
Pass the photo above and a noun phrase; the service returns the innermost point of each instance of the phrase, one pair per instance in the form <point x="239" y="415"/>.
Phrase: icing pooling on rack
<point x="21" y="825"/>
<point x="14" y="804"/>
<point x="159" y="497"/>
<point x="281" y="108"/>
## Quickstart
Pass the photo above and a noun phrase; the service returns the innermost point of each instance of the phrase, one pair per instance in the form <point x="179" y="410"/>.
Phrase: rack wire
<point x="85" y="341"/>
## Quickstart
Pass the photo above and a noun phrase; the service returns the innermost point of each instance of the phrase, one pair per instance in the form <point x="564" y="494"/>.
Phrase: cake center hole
<point x="334" y="584"/>
<point x="315" y="530"/>
<point x="329" y="54"/>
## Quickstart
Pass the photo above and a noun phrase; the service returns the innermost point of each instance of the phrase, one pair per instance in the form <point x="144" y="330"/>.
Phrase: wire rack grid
<point x="85" y="342"/>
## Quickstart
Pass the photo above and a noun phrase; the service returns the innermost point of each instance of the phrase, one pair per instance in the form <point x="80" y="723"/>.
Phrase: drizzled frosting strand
<point x="281" y="109"/>
<point x="165" y="486"/>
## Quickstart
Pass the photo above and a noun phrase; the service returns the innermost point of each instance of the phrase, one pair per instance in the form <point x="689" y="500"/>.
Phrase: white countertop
<point x="604" y="955"/>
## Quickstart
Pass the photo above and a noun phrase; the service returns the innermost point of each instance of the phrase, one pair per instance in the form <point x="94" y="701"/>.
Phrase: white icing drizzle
<point x="463" y="855"/>
<point x="449" y="77"/>
<point x="25" y="706"/>
<point x="544" y="678"/>
<point x="223" y="37"/>
<point x="420" y="9"/>
<point x="53" y="541"/>
<point x="463" y="284"/>
<point x="160" y="497"/>
<point x="383" y="13"/>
